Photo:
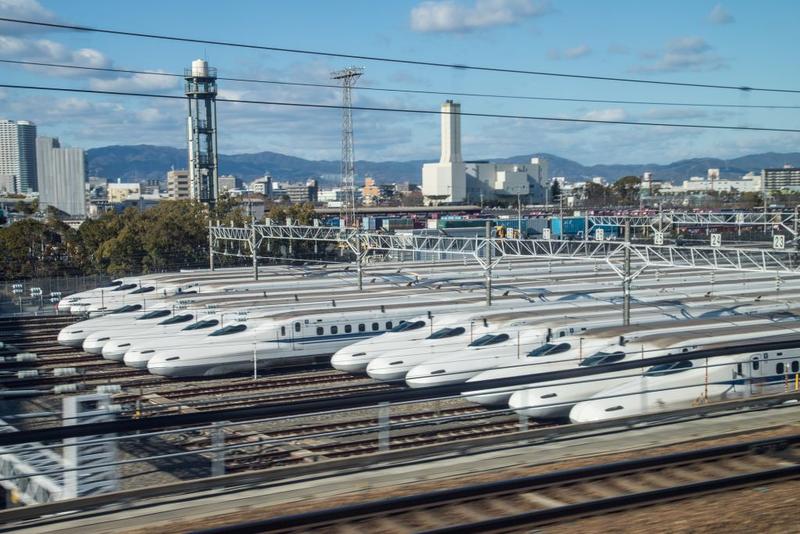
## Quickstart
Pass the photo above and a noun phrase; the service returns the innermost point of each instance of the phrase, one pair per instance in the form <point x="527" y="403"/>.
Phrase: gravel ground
<point x="761" y="509"/>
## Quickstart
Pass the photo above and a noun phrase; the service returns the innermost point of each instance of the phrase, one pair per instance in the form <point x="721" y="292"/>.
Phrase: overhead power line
<point x="384" y="59"/>
<point x="402" y="90"/>
<point x="405" y="110"/>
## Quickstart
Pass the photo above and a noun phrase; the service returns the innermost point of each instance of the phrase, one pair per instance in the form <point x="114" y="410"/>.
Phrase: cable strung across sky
<point x="399" y="90"/>
<point x="404" y="110"/>
<point x="504" y="70"/>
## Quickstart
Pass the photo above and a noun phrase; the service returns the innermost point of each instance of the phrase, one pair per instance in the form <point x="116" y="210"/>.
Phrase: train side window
<point x="283" y="331"/>
<point x="334" y="330"/>
<point x="561" y="334"/>
<point x="320" y="330"/>
<point x="375" y="326"/>
<point x="739" y="369"/>
<point x="361" y="327"/>
<point x="795" y="366"/>
<point x="779" y="368"/>
<point x="296" y="327"/>
<point x="388" y="325"/>
<point x="348" y="328"/>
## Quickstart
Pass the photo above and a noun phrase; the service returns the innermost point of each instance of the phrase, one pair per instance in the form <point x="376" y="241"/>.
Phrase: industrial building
<point x="452" y="180"/>
<point x="18" y="156"/>
<point x="62" y="176"/>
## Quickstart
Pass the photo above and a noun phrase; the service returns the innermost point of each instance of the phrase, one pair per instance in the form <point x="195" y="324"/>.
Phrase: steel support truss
<point x="784" y="222"/>
<point x="612" y="252"/>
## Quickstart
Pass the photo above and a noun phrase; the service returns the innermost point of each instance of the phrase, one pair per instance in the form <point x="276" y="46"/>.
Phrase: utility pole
<point x="519" y="216"/>
<point x="488" y="268"/>
<point x="253" y="248"/>
<point x="210" y="247"/>
<point x="626" y="280"/>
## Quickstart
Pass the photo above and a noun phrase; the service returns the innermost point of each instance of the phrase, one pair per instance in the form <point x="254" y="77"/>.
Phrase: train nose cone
<point x="138" y="358"/>
<point x="350" y="362"/>
<point x="71" y="337"/>
<point x="425" y="376"/>
<point x="115" y="351"/>
<point x="385" y="370"/>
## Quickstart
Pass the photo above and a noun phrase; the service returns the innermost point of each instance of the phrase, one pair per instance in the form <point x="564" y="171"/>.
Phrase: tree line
<point x="169" y="236"/>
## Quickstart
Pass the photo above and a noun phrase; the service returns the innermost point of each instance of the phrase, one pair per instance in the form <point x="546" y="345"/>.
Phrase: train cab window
<point x="756" y="365"/>
<point x="177" y="319"/>
<point x="614" y="408"/>
<point x="603" y="358"/>
<point x="127" y="309"/>
<point x="361" y="327"/>
<point x="124" y="287"/>
<point x="320" y="330"/>
<point x="669" y="368"/>
<point x="155" y="314"/>
<point x="334" y="330"/>
<point x="389" y="325"/>
<point x="489" y="339"/>
<point x="283" y="331"/>
<point x="549" y="348"/>
<point x="404" y="326"/>
<point x="562" y="334"/>
<point x="141" y="290"/>
<point x="438" y="372"/>
<point x="376" y="326"/>
<point x="795" y="366"/>
<point x="779" y="368"/>
<point x="199" y="325"/>
<point x="230" y="329"/>
<point x="348" y="328"/>
<point x="447" y="332"/>
<point x="296" y="327"/>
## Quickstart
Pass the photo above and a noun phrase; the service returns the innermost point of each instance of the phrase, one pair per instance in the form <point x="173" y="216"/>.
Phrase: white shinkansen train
<point x="601" y="343"/>
<point x="555" y="399"/>
<point x="688" y="383"/>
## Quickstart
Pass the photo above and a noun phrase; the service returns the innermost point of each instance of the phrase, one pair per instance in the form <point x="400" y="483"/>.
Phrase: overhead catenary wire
<point x="402" y="90"/>
<point x="384" y="59"/>
<point x="407" y="110"/>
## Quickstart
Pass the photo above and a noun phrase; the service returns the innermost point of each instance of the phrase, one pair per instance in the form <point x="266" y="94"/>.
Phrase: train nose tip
<point x="350" y="363"/>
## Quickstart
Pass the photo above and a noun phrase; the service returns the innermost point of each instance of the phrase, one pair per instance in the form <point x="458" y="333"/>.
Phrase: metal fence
<point x="33" y="296"/>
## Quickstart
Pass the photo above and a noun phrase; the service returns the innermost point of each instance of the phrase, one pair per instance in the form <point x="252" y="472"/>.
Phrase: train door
<point x="758" y="372"/>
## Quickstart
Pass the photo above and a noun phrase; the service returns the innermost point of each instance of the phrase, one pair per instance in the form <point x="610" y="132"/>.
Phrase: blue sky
<point x="733" y="43"/>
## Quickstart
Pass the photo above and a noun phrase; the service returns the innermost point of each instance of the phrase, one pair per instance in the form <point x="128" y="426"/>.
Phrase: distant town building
<point x="227" y="182"/>
<point x="786" y="177"/>
<point x="119" y="191"/>
<point x="452" y="180"/>
<point x="62" y="176"/>
<point x="370" y="193"/>
<point x="750" y="183"/>
<point x="262" y="186"/>
<point x="299" y="193"/>
<point x="18" y="155"/>
<point x="179" y="185"/>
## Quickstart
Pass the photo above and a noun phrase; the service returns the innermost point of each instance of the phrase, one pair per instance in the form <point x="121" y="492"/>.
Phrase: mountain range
<point x="149" y="162"/>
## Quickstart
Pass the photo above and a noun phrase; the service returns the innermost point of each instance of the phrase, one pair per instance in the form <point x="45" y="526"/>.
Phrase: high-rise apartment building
<point x="62" y="176"/>
<point x="179" y="185"/>
<point x="786" y="177"/>
<point x="18" y="154"/>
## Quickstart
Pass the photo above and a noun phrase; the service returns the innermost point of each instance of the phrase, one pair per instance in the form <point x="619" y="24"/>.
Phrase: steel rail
<point x="384" y="507"/>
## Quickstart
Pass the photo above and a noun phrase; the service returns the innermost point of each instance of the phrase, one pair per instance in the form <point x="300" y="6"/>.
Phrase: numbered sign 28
<point x="778" y="242"/>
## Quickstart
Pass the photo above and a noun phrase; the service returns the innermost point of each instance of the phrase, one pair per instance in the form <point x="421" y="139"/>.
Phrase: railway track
<point x="522" y="503"/>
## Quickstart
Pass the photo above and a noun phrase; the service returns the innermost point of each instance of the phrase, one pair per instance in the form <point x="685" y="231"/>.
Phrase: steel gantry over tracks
<point x="626" y="258"/>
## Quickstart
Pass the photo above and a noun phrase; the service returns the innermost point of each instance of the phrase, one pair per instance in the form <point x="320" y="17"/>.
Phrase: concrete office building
<point x="787" y="177"/>
<point x="452" y="180"/>
<point x="179" y="185"/>
<point x="62" y="177"/>
<point x="18" y="154"/>
<point x="299" y="193"/>
<point x="227" y="182"/>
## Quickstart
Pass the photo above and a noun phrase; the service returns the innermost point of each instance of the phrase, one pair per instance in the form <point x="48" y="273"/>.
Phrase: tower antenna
<point x="348" y="78"/>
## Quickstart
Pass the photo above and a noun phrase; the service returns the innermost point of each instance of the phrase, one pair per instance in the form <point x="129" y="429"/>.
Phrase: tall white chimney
<point x="451" y="133"/>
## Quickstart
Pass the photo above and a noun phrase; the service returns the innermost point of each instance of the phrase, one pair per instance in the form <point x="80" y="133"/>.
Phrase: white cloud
<point x="135" y="82"/>
<point x="47" y="51"/>
<point x="610" y="114"/>
<point x="570" y="53"/>
<point x="452" y="16"/>
<point x="683" y="54"/>
<point x="24" y="10"/>
<point x="719" y="15"/>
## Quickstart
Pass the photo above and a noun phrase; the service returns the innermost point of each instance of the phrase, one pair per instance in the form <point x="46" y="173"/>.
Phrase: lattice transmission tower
<point x="348" y="78"/>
